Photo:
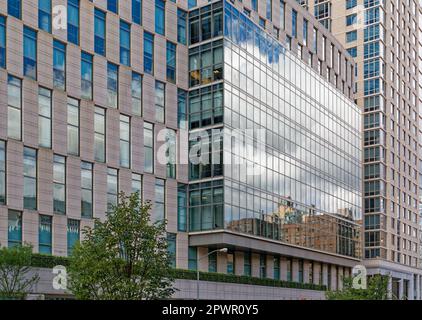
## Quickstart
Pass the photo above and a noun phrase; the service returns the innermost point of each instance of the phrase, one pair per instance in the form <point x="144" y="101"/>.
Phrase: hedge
<point x="46" y="261"/>
<point x="231" y="278"/>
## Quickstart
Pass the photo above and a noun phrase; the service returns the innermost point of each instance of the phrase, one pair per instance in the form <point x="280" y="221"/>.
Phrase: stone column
<point x="221" y="262"/>
<point x="255" y="264"/>
<point x="400" y="284"/>
<point x="333" y="277"/>
<point x="418" y="287"/>
<point x="411" y="287"/>
<point x="390" y="287"/>
<point x="270" y="267"/>
<point x="340" y="277"/>
<point x="306" y="271"/>
<point x="325" y="275"/>
<point x="202" y="263"/>
<point x="283" y="269"/>
<point x="317" y="270"/>
<point x="239" y="263"/>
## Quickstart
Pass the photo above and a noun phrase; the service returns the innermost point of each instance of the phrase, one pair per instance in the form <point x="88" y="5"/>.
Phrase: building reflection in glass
<point x="308" y="192"/>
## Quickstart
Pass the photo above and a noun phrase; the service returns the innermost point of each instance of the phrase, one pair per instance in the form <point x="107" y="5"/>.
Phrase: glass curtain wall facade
<point x="308" y="188"/>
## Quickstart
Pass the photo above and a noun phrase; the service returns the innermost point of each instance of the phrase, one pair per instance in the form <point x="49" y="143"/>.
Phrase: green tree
<point x="377" y="289"/>
<point x="15" y="280"/>
<point x="123" y="258"/>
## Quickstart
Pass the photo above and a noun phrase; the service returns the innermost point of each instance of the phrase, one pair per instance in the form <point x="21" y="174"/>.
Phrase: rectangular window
<point x="212" y="261"/>
<point x="2" y="42"/>
<point x="282" y="14"/>
<point x="351" y="19"/>
<point x="371" y="86"/>
<point x="160" y="200"/>
<point x="230" y="263"/>
<point x="124" y="141"/>
<point x="14" y="230"/>
<point x="300" y="271"/>
<point x="305" y="32"/>
<point x="160" y="101"/>
<point x="160" y="16"/>
<point x="315" y="39"/>
<point x="86" y="190"/>
<point x="30" y="178"/>
<point x="371" y="68"/>
<point x="254" y="4"/>
<point x="182" y="109"/>
<point x="124" y="43"/>
<point x="206" y="66"/>
<point x="14" y="100"/>
<point x="59" y="188"/>
<point x="14" y="8"/>
<point x="100" y="32"/>
<point x="181" y="26"/>
<point x="353" y="51"/>
<point x="277" y="268"/>
<point x="136" y="93"/>
<point x="294" y="23"/>
<point x="371" y="33"/>
<point x="371" y="50"/>
<point x="247" y="264"/>
<point x="262" y="266"/>
<point x="269" y="9"/>
<point x="99" y="134"/>
<point x="171" y="62"/>
<point x="148" y="53"/>
<point x="171" y="240"/>
<point x="30" y="53"/>
<point x="192" y="258"/>
<point x="73" y="234"/>
<point x="112" y="188"/>
<point x="2" y="172"/>
<point x="182" y="213"/>
<point x="351" y="4"/>
<point x="73" y="126"/>
<point x="351" y="36"/>
<point x="73" y="21"/>
<point x="148" y="147"/>
<point x="45" y="234"/>
<point x="372" y="15"/>
<point x="113" y="6"/>
<point x="171" y="153"/>
<point x="44" y="117"/>
<point x="137" y="11"/>
<point x="289" y="263"/>
<point x="112" y="84"/>
<point x="206" y="106"/>
<point x="44" y="15"/>
<point x="87" y="75"/>
<point x="59" y="65"/>
<point x="137" y="184"/>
